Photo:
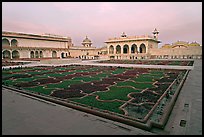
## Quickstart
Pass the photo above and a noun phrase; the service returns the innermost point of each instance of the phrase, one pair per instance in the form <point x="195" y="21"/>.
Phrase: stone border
<point x="165" y="117"/>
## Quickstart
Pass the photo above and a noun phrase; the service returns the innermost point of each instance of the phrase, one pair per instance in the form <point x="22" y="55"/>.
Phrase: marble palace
<point x="24" y="46"/>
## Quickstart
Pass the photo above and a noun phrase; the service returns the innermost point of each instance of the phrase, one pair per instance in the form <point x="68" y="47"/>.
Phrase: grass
<point x="9" y="82"/>
<point x="143" y="79"/>
<point x="91" y="101"/>
<point x="63" y="84"/>
<point x="55" y="75"/>
<point x="40" y="89"/>
<point x="119" y="71"/>
<point x="136" y="85"/>
<point x="175" y="63"/>
<point x="115" y="92"/>
<point x="87" y="78"/>
<point x="30" y="79"/>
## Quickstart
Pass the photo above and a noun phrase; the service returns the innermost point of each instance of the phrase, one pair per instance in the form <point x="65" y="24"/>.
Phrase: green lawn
<point x="119" y="71"/>
<point x="136" y="85"/>
<point x="115" y="92"/>
<point x="63" y="84"/>
<point x="40" y="89"/>
<point x="30" y="79"/>
<point x="143" y="79"/>
<point x="91" y="101"/>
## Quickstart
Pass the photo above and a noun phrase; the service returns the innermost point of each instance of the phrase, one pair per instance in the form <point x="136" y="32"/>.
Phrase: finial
<point x="123" y="34"/>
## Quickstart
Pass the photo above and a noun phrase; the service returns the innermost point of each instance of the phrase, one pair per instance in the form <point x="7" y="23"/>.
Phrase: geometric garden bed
<point x="140" y="97"/>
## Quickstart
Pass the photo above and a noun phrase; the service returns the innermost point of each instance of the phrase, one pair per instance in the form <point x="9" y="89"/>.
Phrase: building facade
<point x="146" y="47"/>
<point x="178" y="50"/>
<point x="48" y="46"/>
<point x="132" y="47"/>
<point x="34" y="46"/>
<point x="85" y="51"/>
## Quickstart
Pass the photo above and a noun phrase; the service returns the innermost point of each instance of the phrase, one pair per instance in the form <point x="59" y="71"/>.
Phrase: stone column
<point x="114" y="50"/>
<point x="11" y="54"/>
<point x="138" y="49"/>
<point x="129" y="49"/>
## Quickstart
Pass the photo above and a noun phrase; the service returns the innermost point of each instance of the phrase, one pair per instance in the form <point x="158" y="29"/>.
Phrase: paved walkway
<point x="136" y="65"/>
<point x="188" y="106"/>
<point x="94" y="63"/>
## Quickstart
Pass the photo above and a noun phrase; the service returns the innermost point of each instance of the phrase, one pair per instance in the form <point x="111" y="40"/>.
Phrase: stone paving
<point x="48" y="118"/>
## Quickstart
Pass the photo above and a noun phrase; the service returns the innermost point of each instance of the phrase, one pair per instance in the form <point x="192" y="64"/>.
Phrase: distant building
<point x="132" y="47"/>
<point x="34" y="46"/>
<point x="146" y="47"/>
<point x="48" y="46"/>
<point x="178" y="50"/>
<point x="85" y="51"/>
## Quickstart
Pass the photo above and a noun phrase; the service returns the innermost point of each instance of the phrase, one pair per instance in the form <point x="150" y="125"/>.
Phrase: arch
<point x="54" y="54"/>
<point x="142" y="48"/>
<point x="125" y="49"/>
<point x="36" y="54"/>
<point x="111" y="49"/>
<point x="62" y="55"/>
<point x="134" y="48"/>
<point x="118" y="49"/>
<point x="15" y="54"/>
<point x="5" y="42"/>
<point x="14" y="42"/>
<point x="32" y="54"/>
<point x="41" y="54"/>
<point x="6" y="54"/>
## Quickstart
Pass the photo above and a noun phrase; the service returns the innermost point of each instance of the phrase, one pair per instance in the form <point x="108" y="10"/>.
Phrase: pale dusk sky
<point x="102" y="20"/>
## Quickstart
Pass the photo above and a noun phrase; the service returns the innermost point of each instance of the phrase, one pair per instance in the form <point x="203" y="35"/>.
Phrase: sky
<point x="102" y="20"/>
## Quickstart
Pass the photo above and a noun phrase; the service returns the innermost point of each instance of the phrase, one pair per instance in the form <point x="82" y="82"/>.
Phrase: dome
<point x="180" y="43"/>
<point x="194" y="44"/>
<point x="86" y="40"/>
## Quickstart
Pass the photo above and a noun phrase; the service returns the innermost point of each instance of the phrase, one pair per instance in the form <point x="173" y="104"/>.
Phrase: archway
<point x="15" y="54"/>
<point x="14" y="42"/>
<point x="41" y="54"/>
<point x="6" y="54"/>
<point x="111" y="49"/>
<point x="134" y="48"/>
<point x="118" y="49"/>
<point x="54" y="54"/>
<point x="142" y="48"/>
<point x="62" y="55"/>
<point x="32" y="54"/>
<point x="5" y="42"/>
<point x="126" y="49"/>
